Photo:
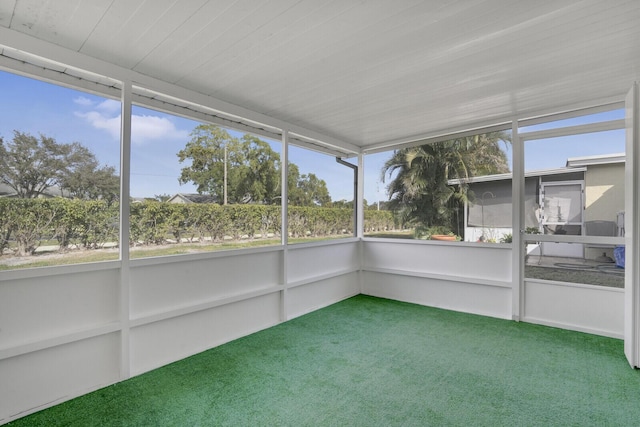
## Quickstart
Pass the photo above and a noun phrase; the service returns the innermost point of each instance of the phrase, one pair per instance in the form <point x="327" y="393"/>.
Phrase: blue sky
<point x="67" y="115"/>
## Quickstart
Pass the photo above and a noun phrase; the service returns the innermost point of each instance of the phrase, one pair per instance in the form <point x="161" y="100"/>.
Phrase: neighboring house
<point x="7" y="191"/>
<point x="192" y="198"/>
<point x="586" y="197"/>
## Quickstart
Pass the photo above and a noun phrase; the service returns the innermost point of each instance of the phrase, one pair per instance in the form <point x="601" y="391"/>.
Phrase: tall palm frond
<point x="418" y="189"/>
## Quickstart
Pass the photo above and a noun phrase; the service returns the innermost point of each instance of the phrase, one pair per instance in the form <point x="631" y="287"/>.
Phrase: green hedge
<point x="375" y="220"/>
<point x="28" y="223"/>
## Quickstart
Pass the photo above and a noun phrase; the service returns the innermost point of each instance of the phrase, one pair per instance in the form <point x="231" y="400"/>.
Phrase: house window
<point x="59" y="174"/>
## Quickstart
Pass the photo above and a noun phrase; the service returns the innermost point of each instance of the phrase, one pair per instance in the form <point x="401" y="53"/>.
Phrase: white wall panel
<point x="594" y="309"/>
<point x="59" y="332"/>
<point x="474" y="298"/>
<point x="163" y="342"/>
<point x="40" y="307"/>
<point x="312" y="296"/>
<point x="317" y="260"/>
<point x="469" y="260"/>
<point x="474" y="278"/>
<point x="178" y="283"/>
<point x="43" y="378"/>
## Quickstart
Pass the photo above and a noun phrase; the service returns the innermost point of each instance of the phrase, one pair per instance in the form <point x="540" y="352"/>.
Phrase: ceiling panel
<point x="273" y="42"/>
<point x="364" y="72"/>
<point x="242" y="25"/>
<point x="135" y="27"/>
<point x="61" y="22"/>
<point x="190" y="41"/>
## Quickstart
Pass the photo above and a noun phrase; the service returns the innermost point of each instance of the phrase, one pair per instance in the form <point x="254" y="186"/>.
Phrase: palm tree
<point x="419" y="191"/>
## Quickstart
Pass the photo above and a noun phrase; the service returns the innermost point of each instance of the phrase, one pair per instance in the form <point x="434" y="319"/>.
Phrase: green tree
<point x="296" y="196"/>
<point x="306" y="189"/>
<point x="315" y="190"/>
<point x="253" y="170"/>
<point x="88" y="181"/>
<point x="345" y="204"/>
<point x="419" y="192"/>
<point x="31" y="165"/>
<point x="252" y="167"/>
<point x="206" y="152"/>
<point x="258" y="177"/>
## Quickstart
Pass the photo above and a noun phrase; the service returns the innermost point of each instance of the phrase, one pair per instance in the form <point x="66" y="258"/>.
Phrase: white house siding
<point x="604" y="198"/>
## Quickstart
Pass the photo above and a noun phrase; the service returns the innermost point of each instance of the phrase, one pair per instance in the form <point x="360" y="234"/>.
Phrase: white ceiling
<point x="363" y="72"/>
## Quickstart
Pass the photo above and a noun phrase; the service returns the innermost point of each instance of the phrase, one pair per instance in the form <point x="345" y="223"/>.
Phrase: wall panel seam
<point x="54" y="341"/>
<point x="445" y="277"/>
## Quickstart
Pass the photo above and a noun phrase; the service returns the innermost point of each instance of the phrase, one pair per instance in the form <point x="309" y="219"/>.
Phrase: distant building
<point x="192" y="198"/>
<point x="55" y="191"/>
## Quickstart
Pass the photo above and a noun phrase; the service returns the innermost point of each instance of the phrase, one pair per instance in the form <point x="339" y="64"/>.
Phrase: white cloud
<point x="144" y="128"/>
<point x="103" y="122"/>
<point x="109" y="106"/>
<point x="149" y="128"/>
<point x="85" y="102"/>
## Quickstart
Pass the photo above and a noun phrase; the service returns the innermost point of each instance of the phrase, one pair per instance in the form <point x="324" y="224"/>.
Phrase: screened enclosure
<point x="326" y="106"/>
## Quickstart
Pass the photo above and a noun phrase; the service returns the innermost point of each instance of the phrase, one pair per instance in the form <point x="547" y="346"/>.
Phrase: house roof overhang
<point x="508" y="176"/>
<point x="606" y="159"/>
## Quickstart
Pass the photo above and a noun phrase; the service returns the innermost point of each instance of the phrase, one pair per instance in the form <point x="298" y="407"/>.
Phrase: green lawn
<point x="47" y="259"/>
<point x="405" y="234"/>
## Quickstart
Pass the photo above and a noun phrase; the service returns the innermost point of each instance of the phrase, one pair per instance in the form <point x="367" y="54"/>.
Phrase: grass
<point x="372" y="362"/>
<point x="61" y="259"/>
<point x="193" y="248"/>
<point x="407" y="234"/>
<point x="48" y="259"/>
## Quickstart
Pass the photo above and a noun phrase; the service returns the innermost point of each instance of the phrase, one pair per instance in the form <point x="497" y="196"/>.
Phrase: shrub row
<point x="27" y="223"/>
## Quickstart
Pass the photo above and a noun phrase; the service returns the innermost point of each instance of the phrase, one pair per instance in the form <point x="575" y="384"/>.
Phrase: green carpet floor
<point x="374" y="362"/>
